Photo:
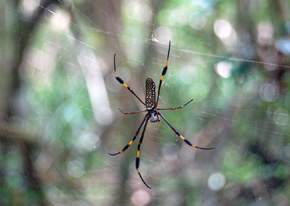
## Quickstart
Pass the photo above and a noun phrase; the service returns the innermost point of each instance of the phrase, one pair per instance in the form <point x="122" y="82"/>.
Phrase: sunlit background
<point x="59" y="99"/>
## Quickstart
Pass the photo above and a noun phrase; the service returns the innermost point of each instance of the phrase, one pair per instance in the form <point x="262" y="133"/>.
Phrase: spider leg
<point x="183" y="138"/>
<point x="131" y="112"/>
<point x="138" y="154"/>
<point x="136" y="134"/>
<point x="174" y="108"/>
<point x="121" y="81"/>
<point x="163" y="74"/>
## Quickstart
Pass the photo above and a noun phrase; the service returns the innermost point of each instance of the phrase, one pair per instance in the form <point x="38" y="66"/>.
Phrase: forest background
<point x="59" y="99"/>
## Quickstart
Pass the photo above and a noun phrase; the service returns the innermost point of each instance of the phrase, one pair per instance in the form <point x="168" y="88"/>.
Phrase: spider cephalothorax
<point x="154" y="116"/>
<point x="153" y="112"/>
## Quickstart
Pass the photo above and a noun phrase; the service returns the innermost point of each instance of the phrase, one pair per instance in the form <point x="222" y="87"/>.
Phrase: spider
<point x="153" y="113"/>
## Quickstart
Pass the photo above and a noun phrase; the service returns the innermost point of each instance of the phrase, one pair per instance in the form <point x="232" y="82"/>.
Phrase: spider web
<point x="239" y="84"/>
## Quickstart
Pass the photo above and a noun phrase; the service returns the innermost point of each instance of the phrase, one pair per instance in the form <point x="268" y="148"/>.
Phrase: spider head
<point x="154" y="117"/>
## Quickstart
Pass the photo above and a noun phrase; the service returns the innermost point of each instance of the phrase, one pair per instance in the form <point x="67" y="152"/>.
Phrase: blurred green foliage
<point x="59" y="98"/>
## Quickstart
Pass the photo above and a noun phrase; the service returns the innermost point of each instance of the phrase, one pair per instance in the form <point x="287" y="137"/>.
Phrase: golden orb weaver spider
<point x="153" y="113"/>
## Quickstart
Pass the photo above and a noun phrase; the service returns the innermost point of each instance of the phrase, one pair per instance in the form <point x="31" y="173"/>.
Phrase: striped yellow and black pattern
<point x="163" y="74"/>
<point x="121" y="81"/>
<point x="138" y="154"/>
<point x="136" y="134"/>
<point x="150" y="94"/>
<point x="183" y="138"/>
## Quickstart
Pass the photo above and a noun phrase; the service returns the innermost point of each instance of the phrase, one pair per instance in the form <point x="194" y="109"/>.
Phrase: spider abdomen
<point x="150" y="95"/>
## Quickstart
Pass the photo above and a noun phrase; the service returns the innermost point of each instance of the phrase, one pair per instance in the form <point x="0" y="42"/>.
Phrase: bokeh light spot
<point x="28" y="7"/>
<point x="139" y="11"/>
<point x="265" y="33"/>
<point x="140" y="198"/>
<point x="60" y="20"/>
<point x="216" y="181"/>
<point x="75" y="168"/>
<point x="284" y="46"/>
<point x="163" y="34"/>
<point x="196" y="21"/>
<point x="90" y="141"/>
<point x="222" y="28"/>
<point x="225" y="31"/>
<point x="224" y="69"/>
<point x="269" y="92"/>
